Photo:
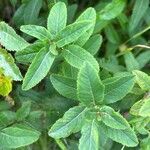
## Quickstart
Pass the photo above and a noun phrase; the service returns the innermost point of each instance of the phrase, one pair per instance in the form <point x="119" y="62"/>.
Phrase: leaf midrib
<point x="69" y="122"/>
<point x="117" y="87"/>
<point x="37" y="69"/>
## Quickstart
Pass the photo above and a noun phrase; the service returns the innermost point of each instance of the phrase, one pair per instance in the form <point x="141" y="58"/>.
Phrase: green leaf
<point x="144" y="110"/>
<point x="139" y="10"/>
<point x="31" y="11"/>
<point x="131" y="62"/>
<point x="9" y="39"/>
<point x="136" y="108"/>
<point x="76" y="56"/>
<point x="100" y="24"/>
<point x="38" y="69"/>
<point x="4" y="106"/>
<point x="126" y="137"/>
<point x="72" y="32"/>
<point x="71" y="122"/>
<point x="143" y="58"/>
<point x="88" y="15"/>
<point x="115" y="91"/>
<point x="17" y="17"/>
<point x="65" y="86"/>
<point x="69" y="71"/>
<point x="111" y="64"/>
<point x="13" y="2"/>
<point x="93" y="44"/>
<point x="5" y="85"/>
<point x="6" y="118"/>
<point x="90" y="136"/>
<point x="142" y="79"/>
<point x="9" y="67"/>
<point x="28" y="54"/>
<point x="113" y="119"/>
<point x="57" y="18"/>
<point x="112" y="10"/>
<point x="111" y="34"/>
<point x="71" y="11"/>
<point x="89" y="86"/>
<point x="15" y="137"/>
<point x="141" y="108"/>
<point x="115" y="78"/>
<point x="38" y="32"/>
<point x="23" y="111"/>
<point x="144" y="144"/>
<point x="53" y="49"/>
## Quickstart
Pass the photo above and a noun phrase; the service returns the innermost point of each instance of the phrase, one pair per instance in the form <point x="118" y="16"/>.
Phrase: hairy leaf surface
<point x="89" y="86"/>
<point x="65" y="86"/>
<point x="9" y="39"/>
<point x="71" y="122"/>
<point x="38" y="69"/>
<point x="76" y="56"/>
<point x="57" y="18"/>
<point x="90" y="136"/>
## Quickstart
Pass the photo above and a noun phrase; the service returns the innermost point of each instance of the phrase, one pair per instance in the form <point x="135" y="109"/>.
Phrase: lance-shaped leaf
<point x="71" y="122"/>
<point x="126" y="137"/>
<point x="131" y="62"/>
<point x="71" y="12"/>
<point x="136" y="108"/>
<point x="142" y="79"/>
<point x="89" y="86"/>
<point x="31" y="11"/>
<point x="17" y="17"/>
<point x="145" y="108"/>
<point x="112" y="10"/>
<point x="93" y="44"/>
<point x="38" y="69"/>
<point x="144" y="144"/>
<point x="90" y="136"/>
<point x="23" y="111"/>
<point x="76" y="56"/>
<point x="9" y="39"/>
<point x="88" y="15"/>
<point x="72" y="32"/>
<point x="140" y="7"/>
<point x="115" y="91"/>
<point x="9" y="67"/>
<point x="57" y="18"/>
<point x="111" y="34"/>
<point x="141" y="108"/>
<point x="113" y="119"/>
<point x="17" y="136"/>
<point x="5" y="85"/>
<point x="28" y="54"/>
<point x="69" y="71"/>
<point x="143" y="58"/>
<point x="38" y="32"/>
<point x="6" y="118"/>
<point x="65" y="86"/>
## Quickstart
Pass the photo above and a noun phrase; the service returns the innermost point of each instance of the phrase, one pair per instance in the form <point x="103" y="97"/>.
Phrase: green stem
<point x="138" y="34"/>
<point x="43" y="143"/>
<point x="122" y="147"/>
<point x="60" y="144"/>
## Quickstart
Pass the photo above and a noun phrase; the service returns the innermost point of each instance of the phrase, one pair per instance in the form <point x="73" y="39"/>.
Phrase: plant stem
<point x="43" y="143"/>
<point x="61" y="144"/>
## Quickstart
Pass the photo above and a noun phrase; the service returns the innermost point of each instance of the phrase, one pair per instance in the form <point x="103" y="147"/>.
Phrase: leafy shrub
<point x="75" y="76"/>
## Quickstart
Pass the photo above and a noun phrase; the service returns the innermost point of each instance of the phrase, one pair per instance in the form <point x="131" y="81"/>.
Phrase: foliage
<point x="75" y="75"/>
